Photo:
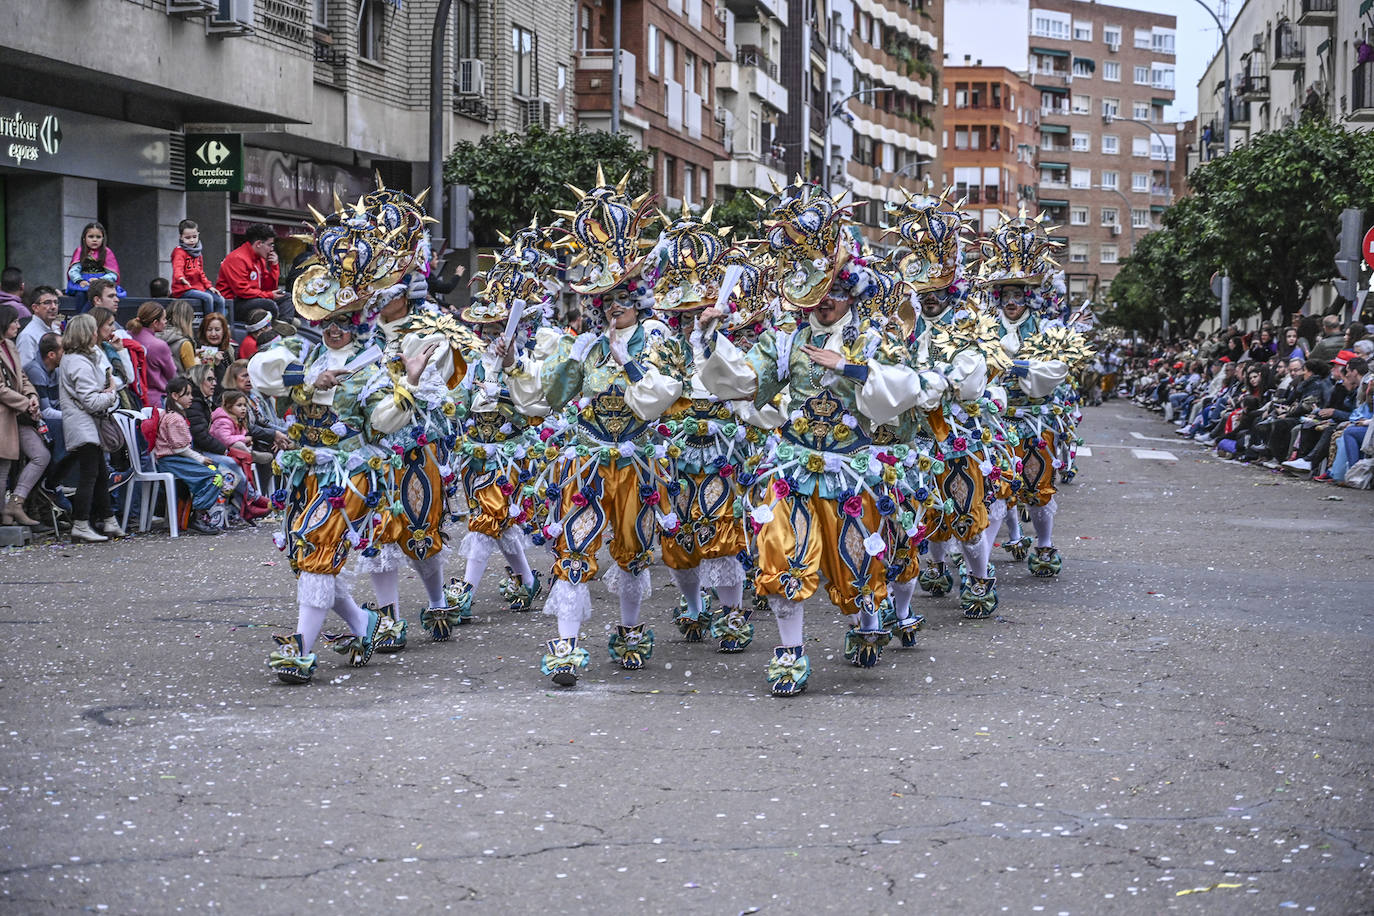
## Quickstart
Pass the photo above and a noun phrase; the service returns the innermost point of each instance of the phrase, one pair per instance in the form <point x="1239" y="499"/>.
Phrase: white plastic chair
<point x="141" y="474"/>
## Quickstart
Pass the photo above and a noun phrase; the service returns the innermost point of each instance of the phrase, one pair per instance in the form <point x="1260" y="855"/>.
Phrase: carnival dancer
<point x="420" y="478"/>
<point x="344" y="402"/>
<point x="712" y="441"/>
<point x="963" y="449"/>
<point x="817" y="510"/>
<point x="605" y="398"/>
<point x="1016" y="266"/>
<point x="497" y="458"/>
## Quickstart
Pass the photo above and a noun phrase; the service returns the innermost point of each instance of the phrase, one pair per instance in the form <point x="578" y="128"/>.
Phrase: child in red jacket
<point x="188" y="271"/>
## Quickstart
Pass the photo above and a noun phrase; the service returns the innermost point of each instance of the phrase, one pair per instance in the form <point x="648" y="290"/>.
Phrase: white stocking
<point x="387" y="585"/>
<point x="731" y="595"/>
<point x="513" y="549"/>
<point x="870" y="620"/>
<point x="431" y="573"/>
<point x="1013" y="525"/>
<point x="571" y="604"/>
<point x="477" y="548"/>
<point x="1042" y="517"/>
<point x="314" y="598"/>
<point x="901" y="593"/>
<point x="976" y="554"/>
<point x="689" y="582"/>
<point x="789" y="615"/>
<point x="633" y="590"/>
<point x="938" y="551"/>
<point x="348" y="609"/>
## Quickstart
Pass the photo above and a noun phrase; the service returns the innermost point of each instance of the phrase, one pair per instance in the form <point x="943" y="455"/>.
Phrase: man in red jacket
<point x="248" y="276"/>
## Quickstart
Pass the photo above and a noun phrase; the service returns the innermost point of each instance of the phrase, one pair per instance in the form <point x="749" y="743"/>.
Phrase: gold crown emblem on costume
<point x="1017" y="252"/>
<point x="1058" y="342"/>
<point x="805" y="230"/>
<point x="934" y="228"/>
<point x="607" y="234"/>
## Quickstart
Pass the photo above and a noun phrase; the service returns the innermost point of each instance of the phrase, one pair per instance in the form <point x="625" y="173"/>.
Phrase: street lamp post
<point x="436" y="114"/>
<point x="1226" y="81"/>
<point x="834" y="112"/>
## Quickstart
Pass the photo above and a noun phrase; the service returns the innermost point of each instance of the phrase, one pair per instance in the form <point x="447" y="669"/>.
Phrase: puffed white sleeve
<point x="727" y="374"/>
<point x="891" y="390"/>
<point x="651" y="392"/>
<point x="395" y="409"/>
<point x="275" y="371"/>
<point x="1043" y="376"/>
<point x="969" y="375"/>
<point x="523" y="379"/>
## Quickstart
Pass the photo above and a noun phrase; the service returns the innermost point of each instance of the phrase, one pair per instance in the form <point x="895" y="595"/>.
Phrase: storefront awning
<point x="1054" y="128"/>
<point x="1051" y="52"/>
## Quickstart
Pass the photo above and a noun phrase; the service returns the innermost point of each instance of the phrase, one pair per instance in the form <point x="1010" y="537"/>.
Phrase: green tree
<point x="741" y="214"/>
<point x="1268" y="212"/>
<point x="518" y="177"/>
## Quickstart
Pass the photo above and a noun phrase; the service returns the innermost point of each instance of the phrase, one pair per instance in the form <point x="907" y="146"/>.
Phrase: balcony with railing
<point x="1254" y="86"/>
<point x="1240" y="112"/>
<point x="1288" y="51"/>
<point x="1317" y="12"/>
<point x="1362" y="93"/>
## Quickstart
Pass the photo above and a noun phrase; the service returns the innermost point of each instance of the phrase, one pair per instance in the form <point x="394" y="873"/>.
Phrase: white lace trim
<point x="315" y="590"/>
<point x="632" y="588"/>
<point x="476" y="546"/>
<point x="721" y="571"/>
<point x="1047" y="510"/>
<point x="569" y="602"/>
<point x="388" y="559"/>
<point x="514" y="538"/>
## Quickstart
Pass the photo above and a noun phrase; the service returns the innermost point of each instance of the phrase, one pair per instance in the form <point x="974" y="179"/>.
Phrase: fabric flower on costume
<point x="762" y="515"/>
<point x="874" y="545"/>
<point x="853" y="507"/>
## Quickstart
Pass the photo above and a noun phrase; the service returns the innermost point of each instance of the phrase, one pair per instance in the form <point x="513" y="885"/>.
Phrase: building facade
<point x="324" y="93"/>
<point x="750" y="99"/>
<point x="1104" y="76"/>
<point x="989" y="141"/>
<point x="1287" y="56"/>
<point x="669" y="53"/>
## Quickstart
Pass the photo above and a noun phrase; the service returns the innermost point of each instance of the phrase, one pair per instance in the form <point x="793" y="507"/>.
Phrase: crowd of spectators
<point x="1297" y="399"/>
<point x="176" y="372"/>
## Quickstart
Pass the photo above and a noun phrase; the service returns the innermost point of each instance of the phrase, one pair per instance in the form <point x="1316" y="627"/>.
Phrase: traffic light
<point x="459" y="216"/>
<point x="1348" y="255"/>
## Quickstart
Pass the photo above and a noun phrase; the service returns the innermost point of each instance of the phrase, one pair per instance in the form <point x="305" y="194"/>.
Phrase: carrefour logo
<point x="29" y="138"/>
<point x="213" y="152"/>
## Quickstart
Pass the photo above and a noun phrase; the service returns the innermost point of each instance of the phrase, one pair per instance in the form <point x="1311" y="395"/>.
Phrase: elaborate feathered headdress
<point x="1017" y="253"/>
<point x="806" y="230"/>
<point x="936" y="230"/>
<point x="525" y="269"/>
<point x="607" y="234"/>
<point x="358" y="265"/>
<point x="691" y="257"/>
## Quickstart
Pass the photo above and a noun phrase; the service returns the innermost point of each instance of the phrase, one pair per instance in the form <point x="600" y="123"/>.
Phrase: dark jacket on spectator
<point x="198" y="418"/>
<point x="1327" y="348"/>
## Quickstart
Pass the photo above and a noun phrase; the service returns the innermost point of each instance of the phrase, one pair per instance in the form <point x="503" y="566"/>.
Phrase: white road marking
<point x="1085" y="451"/>
<point x="1154" y="438"/>
<point x="1153" y="454"/>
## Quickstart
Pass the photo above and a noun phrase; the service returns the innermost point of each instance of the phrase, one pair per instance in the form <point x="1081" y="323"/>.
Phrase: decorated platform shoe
<point x="290" y="663"/>
<point x="1045" y="562"/>
<point x="788" y="671"/>
<point x="693" y="629"/>
<point x="863" y="648"/>
<point x="731" y="626"/>
<point x="632" y="646"/>
<point x="906" y="630"/>
<point x="563" y="661"/>
<point x="440" y="621"/>
<point x="978" y="597"/>
<point x="1019" y="547"/>
<point x="936" y="579"/>
<point x="512" y="588"/>
<point x="391" y="635"/>
<point x="357" y="649"/>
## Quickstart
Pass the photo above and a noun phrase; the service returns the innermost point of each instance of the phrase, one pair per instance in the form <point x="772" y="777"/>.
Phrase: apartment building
<point x="1104" y="76"/>
<point x="750" y="99"/>
<point x="990" y="139"/>
<point x="1287" y="55"/>
<point x="885" y="119"/>
<point x="670" y="49"/>
<point x="322" y="93"/>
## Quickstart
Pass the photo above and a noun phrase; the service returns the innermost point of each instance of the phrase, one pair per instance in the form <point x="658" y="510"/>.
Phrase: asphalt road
<point x="1180" y="723"/>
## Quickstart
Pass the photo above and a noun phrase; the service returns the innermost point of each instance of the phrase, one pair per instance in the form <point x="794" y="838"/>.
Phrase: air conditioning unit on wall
<point x="536" y="112"/>
<point x="470" y="80"/>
